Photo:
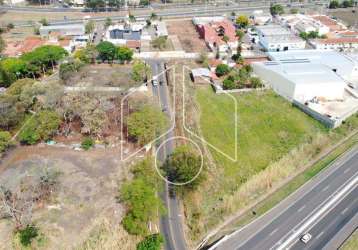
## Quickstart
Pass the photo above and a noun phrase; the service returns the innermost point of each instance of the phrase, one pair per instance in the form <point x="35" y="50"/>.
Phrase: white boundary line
<point x="156" y="139"/>
<point x="235" y="158"/>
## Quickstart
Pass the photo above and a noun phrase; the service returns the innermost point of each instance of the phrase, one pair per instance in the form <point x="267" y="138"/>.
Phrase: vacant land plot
<point x="189" y="38"/>
<point x="84" y="200"/>
<point x="346" y="15"/>
<point x="268" y="129"/>
<point x="102" y="75"/>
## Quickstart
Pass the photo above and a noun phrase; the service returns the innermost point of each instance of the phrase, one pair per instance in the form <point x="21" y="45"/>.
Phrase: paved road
<point x="287" y="219"/>
<point x="185" y="12"/>
<point x="170" y="224"/>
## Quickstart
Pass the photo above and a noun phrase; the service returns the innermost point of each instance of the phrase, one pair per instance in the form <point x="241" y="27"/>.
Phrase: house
<point x="63" y="30"/>
<point x="18" y="48"/>
<point x="303" y="23"/>
<point x="219" y="36"/>
<point x="125" y="34"/>
<point x="274" y="37"/>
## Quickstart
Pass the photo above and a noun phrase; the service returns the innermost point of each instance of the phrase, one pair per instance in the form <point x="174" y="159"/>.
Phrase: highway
<point x="171" y="12"/>
<point x="170" y="223"/>
<point x="322" y="207"/>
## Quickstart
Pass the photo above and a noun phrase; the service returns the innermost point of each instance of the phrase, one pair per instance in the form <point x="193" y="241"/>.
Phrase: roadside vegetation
<point x="275" y="140"/>
<point x="351" y="243"/>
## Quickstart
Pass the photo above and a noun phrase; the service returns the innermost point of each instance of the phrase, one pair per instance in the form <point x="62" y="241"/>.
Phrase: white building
<point x="277" y="38"/>
<point x="261" y="18"/>
<point x="161" y="29"/>
<point x="344" y="65"/>
<point x="303" y="23"/>
<point x="339" y="43"/>
<point x="301" y="80"/>
<point x="64" y="30"/>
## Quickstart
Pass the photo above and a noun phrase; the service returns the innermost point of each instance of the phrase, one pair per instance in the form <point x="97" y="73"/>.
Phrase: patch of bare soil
<point x="187" y="34"/>
<point x="88" y="185"/>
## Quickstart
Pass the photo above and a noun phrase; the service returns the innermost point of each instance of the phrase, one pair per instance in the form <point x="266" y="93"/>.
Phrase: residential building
<point x="125" y="34"/>
<point x="63" y="30"/>
<point x="339" y="43"/>
<point x="274" y="37"/>
<point x="261" y="18"/>
<point x="219" y="36"/>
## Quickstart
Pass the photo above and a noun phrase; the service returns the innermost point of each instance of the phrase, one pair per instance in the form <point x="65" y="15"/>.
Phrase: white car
<point x="306" y="238"/>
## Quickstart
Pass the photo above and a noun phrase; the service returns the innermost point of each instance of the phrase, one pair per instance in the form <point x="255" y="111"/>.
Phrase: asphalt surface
<point x="168" y="12"/>
<point x="170" y="224"/>
<point x="286" y="219"/>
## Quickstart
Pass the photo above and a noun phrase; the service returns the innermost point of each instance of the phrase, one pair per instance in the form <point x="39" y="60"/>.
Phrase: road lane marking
<point x="320" y="234"/>
<point x="274" y="231"/>
<point x="301" y="208"/>
<point x="345" y="210"/>
<point x="345" y="171"/>
<point x="325" y="188"/>
<point x="332" y="200"/>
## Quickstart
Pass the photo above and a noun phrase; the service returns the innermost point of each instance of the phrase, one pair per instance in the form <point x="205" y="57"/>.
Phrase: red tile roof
<point x="337" y="40"/>
<point x="211" y="32"/>
<point x="332" y="24"/>
<point x="133" y="44"/>
<point x="31" y="43"/>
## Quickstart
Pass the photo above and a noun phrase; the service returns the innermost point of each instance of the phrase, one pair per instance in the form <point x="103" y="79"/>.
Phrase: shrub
<point x="5" y="140"/>
<point x="151" y="242"/>
<point x="27" y="234"/>
<point x="276" y="9"/>
<point x="229" y="84"/>
<point x="87" y="143"/>
<point x="256" y="82"/>
<point x="333" y="4"/>
<point x="222" y="69"/>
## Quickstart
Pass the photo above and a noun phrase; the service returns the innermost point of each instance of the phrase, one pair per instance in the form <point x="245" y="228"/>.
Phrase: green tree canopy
<point x="276" y="9"/>
<point x="146" y="124"/>
<point x="14" y="67"/>
<point x="124" y="54"/>
<point x="222" y="69"/>
<point x="151" y="242"/>
<point x="140" y="71"/>
<point x="107" y="51"/>
<point x="182" y="166"/>
<point x="5" y="140"/>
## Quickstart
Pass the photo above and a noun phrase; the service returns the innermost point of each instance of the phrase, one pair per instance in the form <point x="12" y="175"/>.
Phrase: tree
<point x="276" y="9"/>
<point x="5" y="140"/>
<point x="222" y="69"/>
<point x="153" y="16"/>
<point x="87" y="54"/>
<point x="140" y="71"/>
<point x="334" y="4"/>
<point x="151" y="242"/>
<point x="242" y="21"/>
<point x="160" y="43"/>
<point x="42" y="126"/>
<point x="182" y="166"/>
<point x="108" y="22"/>
<point x="347" y="3"/>
<point x="142" y="203"/>
<point x="10" y="26"/>
<point x="2" y="44"/>
<point x="107" y="51"/>
<point x="87" y="143"/>
<point x="15" y="68"/>
<point x="228" y="83"/>
<point x="68" y="68"/>
<point x="124" y="54"/>
<point x="146" y="124"/>
<point x="95" y="4"/>
<point x="89" y="27"/>
<point x="44" y="22"/>
<point x="131" y="18"/>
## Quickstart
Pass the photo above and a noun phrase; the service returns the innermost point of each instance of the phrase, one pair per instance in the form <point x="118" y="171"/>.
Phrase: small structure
<point x="201" y="75"/>
<point x="261" y="18"/>
<point x="161" y="29"/>
<point x="64" y="30"/>
<point x="339" y="43"/>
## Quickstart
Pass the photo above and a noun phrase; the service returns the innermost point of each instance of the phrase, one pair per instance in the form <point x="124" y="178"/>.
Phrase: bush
<point x="222" y="69"/>
<point x="229" y="84"/>
<point x="256" y="82"/>
<point x="5" y="140"/>
<point x="42" y="126"/>
<point x="276" y="9"/>
<point x="151" y="242"/>
<point x="66" y="69"/>
<point x="334" y="4"/>
<point x="87" y="143"/>
<point x="27" y="234"/>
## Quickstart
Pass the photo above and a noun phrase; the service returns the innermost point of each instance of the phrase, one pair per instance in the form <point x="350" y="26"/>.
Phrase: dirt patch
<point x="347" y="16"/>
<point x="188" y="37"/>
<point x="88" y="185"/>
<point x="102" y="75"/>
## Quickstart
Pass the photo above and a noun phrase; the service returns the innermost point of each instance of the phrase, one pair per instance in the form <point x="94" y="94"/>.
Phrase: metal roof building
<point x="64" y="30"/>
